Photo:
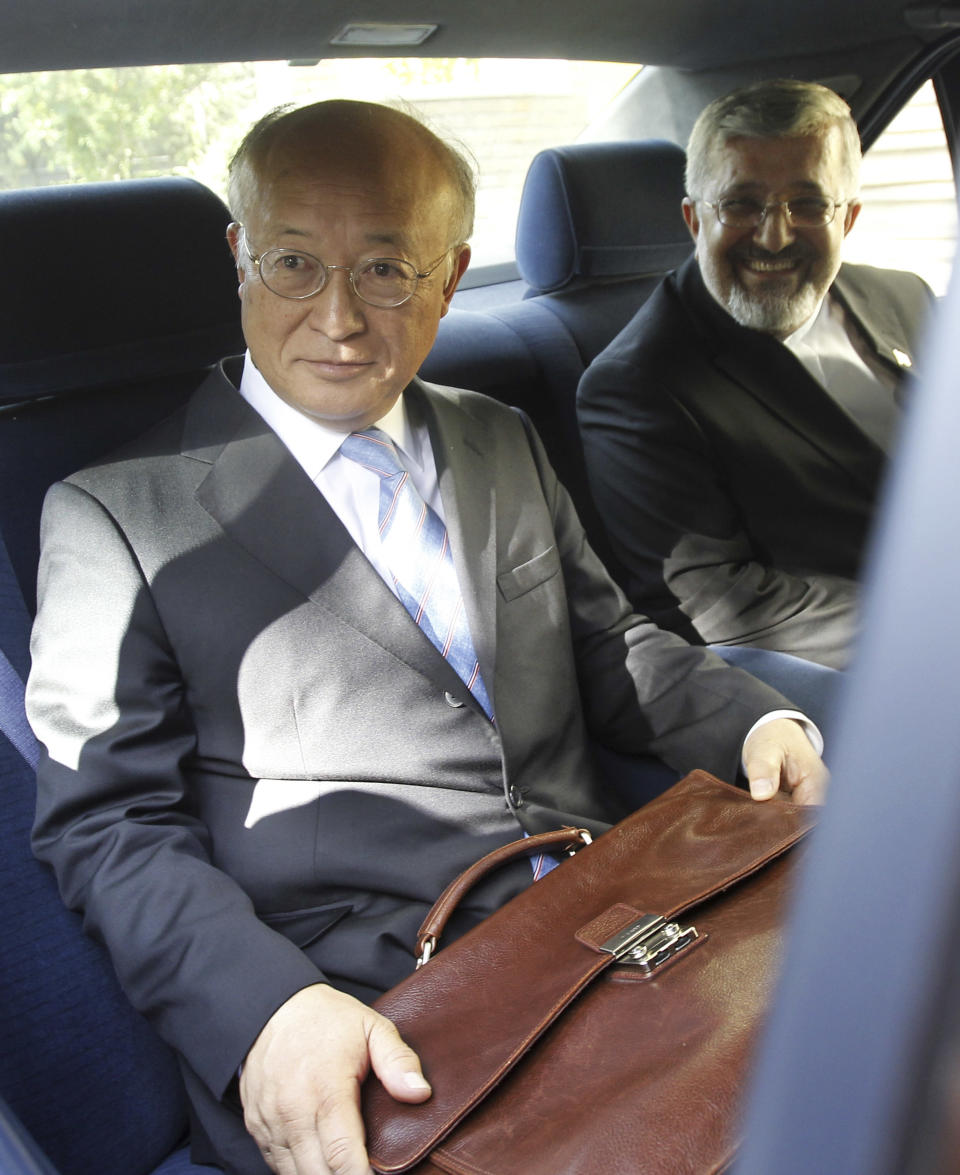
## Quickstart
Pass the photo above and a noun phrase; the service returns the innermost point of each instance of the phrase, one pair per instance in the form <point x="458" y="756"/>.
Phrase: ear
<point x="461" y="261"/>
<point x="853" y="211"/>
<point x="690" y="216"/>
<point x="233" y="240"/>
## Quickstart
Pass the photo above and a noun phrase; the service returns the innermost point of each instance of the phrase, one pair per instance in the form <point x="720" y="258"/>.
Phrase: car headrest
<point x="113" y="282"/>
<point x="596" y="211"/>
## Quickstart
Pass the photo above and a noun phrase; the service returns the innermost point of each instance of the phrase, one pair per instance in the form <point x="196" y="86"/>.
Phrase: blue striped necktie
<point x="417" y="552"/>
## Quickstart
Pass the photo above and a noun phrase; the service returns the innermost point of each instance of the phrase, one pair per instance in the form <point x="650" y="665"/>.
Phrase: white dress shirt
<point x="832" y="349"/>
<point x="352" y="490"/>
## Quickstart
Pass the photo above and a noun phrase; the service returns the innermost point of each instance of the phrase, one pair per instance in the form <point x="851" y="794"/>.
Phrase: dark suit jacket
<point x="737" y="493"/>
<point x="260" y="771"/>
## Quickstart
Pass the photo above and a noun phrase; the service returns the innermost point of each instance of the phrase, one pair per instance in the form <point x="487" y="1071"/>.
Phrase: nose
<point x="336" y="310"/>
<point x="774" y="233"/>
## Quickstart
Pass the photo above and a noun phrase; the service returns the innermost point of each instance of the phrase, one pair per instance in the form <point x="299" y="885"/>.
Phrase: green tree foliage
<point x="110" y="124"/>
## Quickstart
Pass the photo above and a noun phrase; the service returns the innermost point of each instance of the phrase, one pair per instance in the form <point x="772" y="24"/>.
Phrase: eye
<point x="290" y="261"/>
<point x="288" y="264"/>
<point x="740" y="206"/>
<point x="809" y="206"/>
<point x="385" y="269"/>
<point x="385" y="281"/>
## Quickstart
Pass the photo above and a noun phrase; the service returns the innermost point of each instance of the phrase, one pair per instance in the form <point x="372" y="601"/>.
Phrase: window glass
<point x="71" y="127"/>
<point x="909" y="216"/>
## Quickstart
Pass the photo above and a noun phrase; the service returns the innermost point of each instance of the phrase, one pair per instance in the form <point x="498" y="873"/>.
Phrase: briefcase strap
<point x="566" y="840"/>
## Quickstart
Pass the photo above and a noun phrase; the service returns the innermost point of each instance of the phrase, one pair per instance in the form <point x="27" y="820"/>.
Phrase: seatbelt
<point x="13" y="718"/>
<point x="14" y="629"/>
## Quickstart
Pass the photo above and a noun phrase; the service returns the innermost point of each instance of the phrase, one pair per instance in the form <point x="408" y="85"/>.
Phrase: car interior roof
<point x="51" y="34"/>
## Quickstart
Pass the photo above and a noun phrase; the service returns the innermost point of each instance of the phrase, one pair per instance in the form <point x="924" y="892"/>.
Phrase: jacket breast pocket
<point x="520" y="580"/>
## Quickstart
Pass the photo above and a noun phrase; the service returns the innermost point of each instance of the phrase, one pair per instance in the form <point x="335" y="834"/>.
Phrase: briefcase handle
<point x="567" y="840"/>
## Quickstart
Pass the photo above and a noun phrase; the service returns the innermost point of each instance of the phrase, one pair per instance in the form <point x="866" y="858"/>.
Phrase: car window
<point x="76" y="126"/>
<point x="909" y="217"/>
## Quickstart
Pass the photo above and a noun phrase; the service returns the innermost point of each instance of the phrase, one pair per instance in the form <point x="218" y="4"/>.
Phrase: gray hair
<point x="772" y="109"/>
<point x="244" y="171"/>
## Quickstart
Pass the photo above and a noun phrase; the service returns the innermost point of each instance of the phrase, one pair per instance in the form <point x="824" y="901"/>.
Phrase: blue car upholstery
<point x="81" y="1070"/>
<point x="93" y="350"/>
<point x="19" y="1154"/>
<point x="599" y="226"/>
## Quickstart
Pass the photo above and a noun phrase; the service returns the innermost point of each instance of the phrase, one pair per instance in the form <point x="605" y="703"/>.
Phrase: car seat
<point x="599" y="226"/>
<point x="112" y="336"/>
<point x="93" y="348"/>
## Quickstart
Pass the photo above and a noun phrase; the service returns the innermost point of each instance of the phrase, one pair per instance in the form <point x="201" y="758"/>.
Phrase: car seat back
<point x="93" y="349"/>
<point x="112" y="337"/>
<point x="599" y="226"/>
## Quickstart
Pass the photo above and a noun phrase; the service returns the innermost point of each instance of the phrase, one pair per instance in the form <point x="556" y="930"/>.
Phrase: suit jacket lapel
<point x="775" y="378"/>
<point x="877" y="319"/>
<point x="261" y="497"/>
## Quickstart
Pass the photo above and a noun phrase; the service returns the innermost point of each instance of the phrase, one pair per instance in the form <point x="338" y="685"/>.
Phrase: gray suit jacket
<point x="258" y="769"/>
<point x="737" y="493"/>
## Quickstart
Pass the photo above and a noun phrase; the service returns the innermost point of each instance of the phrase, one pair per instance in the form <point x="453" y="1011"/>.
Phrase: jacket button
<point x="516" y="796"/>
<point x="452" y="701"/>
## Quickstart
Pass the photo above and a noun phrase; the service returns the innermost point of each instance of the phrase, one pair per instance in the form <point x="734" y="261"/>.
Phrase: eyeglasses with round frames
<point x="385" y="282"/>
<point x="801" y="211"/>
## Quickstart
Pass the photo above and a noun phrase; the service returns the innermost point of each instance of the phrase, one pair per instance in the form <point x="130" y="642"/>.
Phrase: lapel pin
<point x="902" y="358"/>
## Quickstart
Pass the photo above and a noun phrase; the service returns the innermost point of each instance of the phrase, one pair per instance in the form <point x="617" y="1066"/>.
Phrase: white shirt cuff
<point x="810" y="729"/>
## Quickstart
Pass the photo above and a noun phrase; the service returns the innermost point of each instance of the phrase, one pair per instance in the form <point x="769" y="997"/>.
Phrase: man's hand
<point x="778" y="755"/>
<point x="300" y="1085"/>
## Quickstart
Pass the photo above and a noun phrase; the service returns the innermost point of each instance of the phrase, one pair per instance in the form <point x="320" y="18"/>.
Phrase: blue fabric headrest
<point x="601" y="210"/>
<point x="113" y="282"/>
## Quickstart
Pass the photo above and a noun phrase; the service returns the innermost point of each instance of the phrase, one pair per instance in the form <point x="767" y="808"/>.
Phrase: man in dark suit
<point x="260" y="771"/>
<point x="736" y="430"/>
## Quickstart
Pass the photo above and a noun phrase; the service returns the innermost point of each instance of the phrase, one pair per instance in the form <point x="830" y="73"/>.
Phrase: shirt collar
<point x="799" y="335"/>
<point x="314" y="444"/>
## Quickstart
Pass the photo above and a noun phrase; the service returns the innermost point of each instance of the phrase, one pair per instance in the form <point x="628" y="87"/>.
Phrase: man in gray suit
<point x="260" y="769"/>
<point x="737" y="429"/>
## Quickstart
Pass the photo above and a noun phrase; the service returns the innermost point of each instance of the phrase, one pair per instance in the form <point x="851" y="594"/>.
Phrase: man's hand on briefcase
<point x="300" y="1085"/>
<point x="778" y="756"/>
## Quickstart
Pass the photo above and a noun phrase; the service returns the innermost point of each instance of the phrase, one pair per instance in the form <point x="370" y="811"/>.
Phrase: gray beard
<point x="772" y="313"/>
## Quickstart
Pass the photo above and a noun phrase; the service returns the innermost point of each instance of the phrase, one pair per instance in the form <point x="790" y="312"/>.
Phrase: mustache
<point x="798" y="251"/>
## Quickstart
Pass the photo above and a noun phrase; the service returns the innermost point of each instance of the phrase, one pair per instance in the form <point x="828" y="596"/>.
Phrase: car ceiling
<point x="687" y="34"/>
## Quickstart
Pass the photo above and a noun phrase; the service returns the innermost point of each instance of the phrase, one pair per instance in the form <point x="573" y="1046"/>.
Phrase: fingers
<point x="397" y="1065"/>
<point x="328" y="1142"/>
<point x="812" y="790"/>
<point x="307" y="1135"/>
<point x="764" y="785"/>
<point x="779" y="756"/>
<point x="300" y="1085"/>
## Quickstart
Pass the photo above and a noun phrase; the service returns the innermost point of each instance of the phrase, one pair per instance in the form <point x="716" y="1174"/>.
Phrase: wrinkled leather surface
<point x="634" y="1075"/>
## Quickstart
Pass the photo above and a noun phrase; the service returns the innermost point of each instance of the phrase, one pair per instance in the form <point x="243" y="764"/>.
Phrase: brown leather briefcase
<point x="602" y="1022"/>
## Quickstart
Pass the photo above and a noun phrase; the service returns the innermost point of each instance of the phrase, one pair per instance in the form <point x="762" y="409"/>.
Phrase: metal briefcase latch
<point x="649" y="942"/>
